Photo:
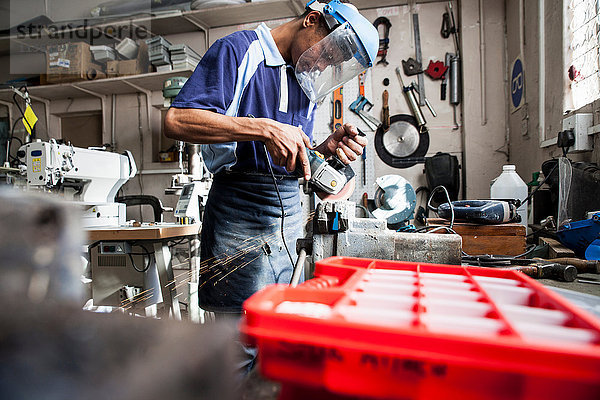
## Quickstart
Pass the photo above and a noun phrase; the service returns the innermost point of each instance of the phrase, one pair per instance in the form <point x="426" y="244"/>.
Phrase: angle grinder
<point x="330" y="179"/>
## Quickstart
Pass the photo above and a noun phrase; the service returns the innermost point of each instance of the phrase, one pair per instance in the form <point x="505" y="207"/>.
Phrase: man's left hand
<point x="346" y="138"/>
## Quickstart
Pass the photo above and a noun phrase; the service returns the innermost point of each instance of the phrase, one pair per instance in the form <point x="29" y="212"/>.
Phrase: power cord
<point x="538" y="186"/>
<point x="145" y="253"/>
<point x="434" y="209"/>
<point x="280" y="201"/>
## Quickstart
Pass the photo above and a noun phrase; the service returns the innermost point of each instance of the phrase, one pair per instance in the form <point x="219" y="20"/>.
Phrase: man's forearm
<point x="205" y="127"/>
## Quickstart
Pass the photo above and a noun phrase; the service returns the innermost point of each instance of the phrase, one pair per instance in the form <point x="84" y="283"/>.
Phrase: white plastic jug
<point x="509" y="185"/>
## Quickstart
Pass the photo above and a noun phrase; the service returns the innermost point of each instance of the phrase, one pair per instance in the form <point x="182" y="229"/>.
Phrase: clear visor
<point x="331" y="62"/>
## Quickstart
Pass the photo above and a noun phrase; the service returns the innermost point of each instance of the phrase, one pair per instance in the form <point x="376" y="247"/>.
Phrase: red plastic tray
<point x="396" y="330"/>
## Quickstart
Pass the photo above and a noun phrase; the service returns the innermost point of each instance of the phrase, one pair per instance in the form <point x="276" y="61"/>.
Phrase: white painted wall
<point x="525" y="151"/>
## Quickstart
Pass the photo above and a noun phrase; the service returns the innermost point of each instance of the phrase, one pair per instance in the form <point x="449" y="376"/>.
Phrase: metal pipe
<point x="298" y="268"/>
<point x="113" y="122"/>
<point x="409" y="92"/>
<point x="454" y="80"/>
<point x="542" y="71"/>
<point x="482" y="64"/>
<point x="194" y="160"/>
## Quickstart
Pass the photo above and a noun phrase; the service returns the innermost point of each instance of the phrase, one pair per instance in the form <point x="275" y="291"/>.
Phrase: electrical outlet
<point x="128" y="293"/>
<point x="580" y="124"/>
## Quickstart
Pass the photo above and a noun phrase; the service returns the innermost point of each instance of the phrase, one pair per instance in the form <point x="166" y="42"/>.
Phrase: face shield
<point x="331" y="62"/>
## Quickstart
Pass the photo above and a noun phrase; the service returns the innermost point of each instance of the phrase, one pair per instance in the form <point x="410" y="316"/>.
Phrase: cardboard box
<point x="112" y="69"/>
<point x="69" y="62"/>
<point x="139" y="65"/>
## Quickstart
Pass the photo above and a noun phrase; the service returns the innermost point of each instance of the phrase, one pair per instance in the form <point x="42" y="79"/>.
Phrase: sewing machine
<point x="91" y="178"/>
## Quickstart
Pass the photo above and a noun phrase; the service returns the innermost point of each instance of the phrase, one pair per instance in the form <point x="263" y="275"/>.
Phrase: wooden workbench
<point x="501" y="239"/>
<point x="144" y="232"/>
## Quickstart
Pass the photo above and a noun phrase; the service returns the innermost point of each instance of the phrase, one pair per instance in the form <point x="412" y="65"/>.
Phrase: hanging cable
<point x="434" y="209"/>
<point x="268" y="161"/>
<point x="281" y="204"/>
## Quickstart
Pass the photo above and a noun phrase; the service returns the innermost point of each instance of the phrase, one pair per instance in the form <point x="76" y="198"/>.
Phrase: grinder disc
<point x="344" y="194"/>
<point x="402" y="145"/>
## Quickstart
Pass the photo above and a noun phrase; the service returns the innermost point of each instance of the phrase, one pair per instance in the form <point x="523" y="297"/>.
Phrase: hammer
<point x="555" y="271"/>
<point x="583" y="266"/>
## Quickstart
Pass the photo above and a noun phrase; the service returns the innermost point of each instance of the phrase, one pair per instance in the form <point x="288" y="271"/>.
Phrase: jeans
<point x="241" y="246"/>
<point x="246" y="356"/>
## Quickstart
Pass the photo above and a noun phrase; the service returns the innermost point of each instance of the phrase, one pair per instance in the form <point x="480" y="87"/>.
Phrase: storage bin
<point x="447" y="332"/>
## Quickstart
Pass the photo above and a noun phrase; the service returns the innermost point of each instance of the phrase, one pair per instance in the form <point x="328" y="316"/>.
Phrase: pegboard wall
<point x="323" y="128"/>
<point x="442" y="135"/>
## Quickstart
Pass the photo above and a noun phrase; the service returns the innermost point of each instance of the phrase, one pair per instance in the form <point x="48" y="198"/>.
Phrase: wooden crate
<point x="503" y="239"/>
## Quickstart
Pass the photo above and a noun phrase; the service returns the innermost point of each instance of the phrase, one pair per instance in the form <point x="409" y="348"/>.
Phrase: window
<point x="582" y="37"/>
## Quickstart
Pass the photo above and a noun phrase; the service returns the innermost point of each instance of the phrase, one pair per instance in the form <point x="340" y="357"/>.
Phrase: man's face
<point x="325" y="53"/>
<point x="308" y="37"/>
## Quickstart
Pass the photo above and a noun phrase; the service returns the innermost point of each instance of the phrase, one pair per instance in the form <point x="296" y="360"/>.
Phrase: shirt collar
<point x="273" y="57"/>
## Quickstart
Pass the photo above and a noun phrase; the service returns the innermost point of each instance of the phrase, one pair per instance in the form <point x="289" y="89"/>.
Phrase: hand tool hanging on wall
<point x="437" y="70"/>
<point x="358" y="105"/>
<point x="385" y="110"/>
<point x="363" y="159"/>
<point x="419" y="58"/>
<point x="337" y="119"/>
<point x="445" y="77"/>
<point x="453" y="28"/>
<point x="454" y="84"/>
<point x="361" y="83"/>
<point x="448" y="27"/>
<point x="409" y="92"/>
<point x="338" y="108"/>
<point x="411" y="67"/>
<point x="384" y="43"/>
<point x="453" y="62"/>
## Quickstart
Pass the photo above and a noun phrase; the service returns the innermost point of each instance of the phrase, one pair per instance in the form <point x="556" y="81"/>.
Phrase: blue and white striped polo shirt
<point x="242" y="74"/>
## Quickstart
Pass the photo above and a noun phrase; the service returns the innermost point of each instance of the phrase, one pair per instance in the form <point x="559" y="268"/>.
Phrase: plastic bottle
<point x="509" y="185"/>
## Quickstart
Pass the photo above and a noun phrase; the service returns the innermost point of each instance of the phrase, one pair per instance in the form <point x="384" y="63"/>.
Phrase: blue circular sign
<point x="517" y="83"/>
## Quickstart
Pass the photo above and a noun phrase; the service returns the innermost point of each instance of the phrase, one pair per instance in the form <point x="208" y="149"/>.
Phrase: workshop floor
<point x="588" y="288"/>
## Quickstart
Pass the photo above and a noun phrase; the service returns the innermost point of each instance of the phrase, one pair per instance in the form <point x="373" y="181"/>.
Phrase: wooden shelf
<point x="177" y="21"/>
<point x="151" y="81"/>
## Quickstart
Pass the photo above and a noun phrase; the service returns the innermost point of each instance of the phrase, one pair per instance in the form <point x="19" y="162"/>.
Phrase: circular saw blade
<point x="403" y="145"/>
<point x="401" y="139"/>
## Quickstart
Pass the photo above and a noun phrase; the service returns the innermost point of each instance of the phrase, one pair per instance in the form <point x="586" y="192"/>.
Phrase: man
<point x="245" y="104"/>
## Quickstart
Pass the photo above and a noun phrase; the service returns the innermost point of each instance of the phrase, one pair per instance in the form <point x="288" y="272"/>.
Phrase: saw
<point x="403" y="144"/>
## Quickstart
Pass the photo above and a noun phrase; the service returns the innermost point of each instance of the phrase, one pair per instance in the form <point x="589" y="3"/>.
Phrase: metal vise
<point x="336" y="231"/>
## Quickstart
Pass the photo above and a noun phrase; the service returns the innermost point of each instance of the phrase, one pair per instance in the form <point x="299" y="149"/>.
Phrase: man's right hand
<point x="287" y="145"/>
